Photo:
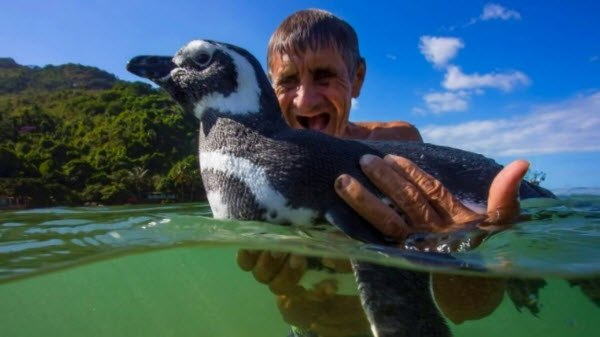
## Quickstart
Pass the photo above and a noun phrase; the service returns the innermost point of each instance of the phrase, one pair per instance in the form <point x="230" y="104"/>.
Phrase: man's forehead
<point x="328" y="56"/>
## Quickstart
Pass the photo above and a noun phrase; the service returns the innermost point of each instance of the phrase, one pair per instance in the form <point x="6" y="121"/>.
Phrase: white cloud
<point x="439" y="102"/>
<point x="391" y="57"/>
<point x="495" y="11"/>
<point x="471" y="22"/>
<point x="569" y="126"/>
<point x="594" y="58"/>
<point x="354" y="104"/>
<point x="418" y="111"/>
<point x="439" y="50"/>
<point x="455" y="79"/>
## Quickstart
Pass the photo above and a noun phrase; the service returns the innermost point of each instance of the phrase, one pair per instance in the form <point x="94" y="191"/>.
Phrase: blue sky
<point x="509" y="79"/>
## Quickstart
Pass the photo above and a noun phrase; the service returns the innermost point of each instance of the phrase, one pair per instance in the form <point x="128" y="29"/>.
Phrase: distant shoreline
<point x="101" y="205"/>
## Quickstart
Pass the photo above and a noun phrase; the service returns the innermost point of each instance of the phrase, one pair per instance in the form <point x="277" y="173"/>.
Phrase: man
<point x="314" y="85"/>
<point x="315" y="67"/>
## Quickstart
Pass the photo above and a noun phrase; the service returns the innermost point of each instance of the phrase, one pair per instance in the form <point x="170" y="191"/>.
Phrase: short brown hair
<point x="315" y="29"/>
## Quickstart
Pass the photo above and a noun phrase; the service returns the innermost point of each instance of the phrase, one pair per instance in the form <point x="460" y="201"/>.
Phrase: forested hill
<point x="15" y="78"/>
<point x="73" y="134"/>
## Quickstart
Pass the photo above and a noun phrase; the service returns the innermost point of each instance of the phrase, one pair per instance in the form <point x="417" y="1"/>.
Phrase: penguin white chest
<point x="218" y="204"/>
<point x="254" y="177"/>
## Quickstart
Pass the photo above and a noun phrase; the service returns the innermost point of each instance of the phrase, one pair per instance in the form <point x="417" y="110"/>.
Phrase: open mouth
<point x="318" y="122"/>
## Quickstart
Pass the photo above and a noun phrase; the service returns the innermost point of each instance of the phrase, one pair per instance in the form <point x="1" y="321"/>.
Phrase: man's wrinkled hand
<point x="429" y="207"/>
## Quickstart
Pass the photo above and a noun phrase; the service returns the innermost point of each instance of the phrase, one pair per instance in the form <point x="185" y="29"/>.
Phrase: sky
<point x="508" y="79"/>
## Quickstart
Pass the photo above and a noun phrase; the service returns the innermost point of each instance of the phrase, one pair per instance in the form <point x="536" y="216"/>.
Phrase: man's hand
<point x="429" y="206"/>
<point x="324" y="312"/>
<point x="280" y="271"/>
<point x="319" y="309"/>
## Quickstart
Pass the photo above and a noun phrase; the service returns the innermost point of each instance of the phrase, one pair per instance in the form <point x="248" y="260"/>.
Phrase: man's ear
<point x="359" y="77"/>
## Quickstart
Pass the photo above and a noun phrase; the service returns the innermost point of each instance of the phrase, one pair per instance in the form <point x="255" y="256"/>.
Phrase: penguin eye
<point x="202" y="59"/>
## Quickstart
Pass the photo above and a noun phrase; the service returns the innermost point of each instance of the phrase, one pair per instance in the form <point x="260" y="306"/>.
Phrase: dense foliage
<point x="17" y="78"/>
<point x="73" y="134"/>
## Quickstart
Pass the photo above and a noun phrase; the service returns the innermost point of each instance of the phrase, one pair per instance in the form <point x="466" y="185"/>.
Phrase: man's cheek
<point x="282" y="98"/>
<point x="284" y="105"/>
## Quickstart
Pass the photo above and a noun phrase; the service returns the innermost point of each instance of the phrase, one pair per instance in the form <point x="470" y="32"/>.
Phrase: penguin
<point x="255" y="167"/>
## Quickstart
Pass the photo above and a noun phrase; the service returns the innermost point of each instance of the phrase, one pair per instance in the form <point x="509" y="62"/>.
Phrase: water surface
<point x="170" y="270"/>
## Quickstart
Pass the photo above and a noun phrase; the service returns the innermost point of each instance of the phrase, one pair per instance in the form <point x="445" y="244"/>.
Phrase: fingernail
<point x="399" y="161"/>
<point x="366" y="159"/>
<point x="342" y="182"/>
<point x="389" y="158"/>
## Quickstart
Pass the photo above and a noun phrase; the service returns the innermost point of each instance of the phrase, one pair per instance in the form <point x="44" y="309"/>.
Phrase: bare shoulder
<point x="394" y="130"/>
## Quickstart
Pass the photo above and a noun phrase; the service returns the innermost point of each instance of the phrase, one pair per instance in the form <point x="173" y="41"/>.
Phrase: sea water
<point x="170" y="270"/>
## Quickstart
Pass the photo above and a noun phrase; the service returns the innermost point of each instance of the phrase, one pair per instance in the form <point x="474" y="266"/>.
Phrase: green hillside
<point x="73" y="134"/>
<point x="15" y="78"/>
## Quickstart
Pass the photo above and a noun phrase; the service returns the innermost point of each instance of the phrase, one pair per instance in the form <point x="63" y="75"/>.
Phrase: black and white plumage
<point x="255" y="167"/>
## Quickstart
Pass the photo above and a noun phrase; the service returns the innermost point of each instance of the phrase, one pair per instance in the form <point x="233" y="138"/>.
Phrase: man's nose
<point x="307" y="97"/>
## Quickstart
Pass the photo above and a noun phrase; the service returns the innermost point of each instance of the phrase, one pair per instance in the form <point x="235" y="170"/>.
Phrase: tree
<point x="73" y="134"/>
<point x="186" y="176"/>
<point x="9" y="164"/>
<point x="138" y="180"/>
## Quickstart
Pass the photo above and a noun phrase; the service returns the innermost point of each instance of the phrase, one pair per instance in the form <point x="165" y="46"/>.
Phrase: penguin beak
<point x="151" y="67"/>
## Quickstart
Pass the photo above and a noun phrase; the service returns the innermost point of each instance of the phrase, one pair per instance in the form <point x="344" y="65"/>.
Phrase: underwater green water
<point x="171" y="271"/>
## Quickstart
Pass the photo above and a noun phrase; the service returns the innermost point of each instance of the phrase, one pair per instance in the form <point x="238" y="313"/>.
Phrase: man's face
<point x="315" y="90"/>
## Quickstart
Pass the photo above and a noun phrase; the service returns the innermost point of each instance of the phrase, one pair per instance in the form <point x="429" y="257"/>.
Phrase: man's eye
<point x="323" y="75"/>
<point x="287" y="81"/>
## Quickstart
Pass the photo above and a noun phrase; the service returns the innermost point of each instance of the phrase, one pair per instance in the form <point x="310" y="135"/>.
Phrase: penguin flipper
<point x="398" y="302"/>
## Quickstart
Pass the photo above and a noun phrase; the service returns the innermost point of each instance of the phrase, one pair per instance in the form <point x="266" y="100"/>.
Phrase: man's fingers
<point x="372" y="209"/>
<point x="268" y="265"/>
<point x="292" y="270"/>
<point x="503" y="203"/>
<point x="280" y="271"/>
<point x="405" y="194"/>
<point x="246" y="259"/>
<point x="450" y="208"/>
<point x="323" y="290"/>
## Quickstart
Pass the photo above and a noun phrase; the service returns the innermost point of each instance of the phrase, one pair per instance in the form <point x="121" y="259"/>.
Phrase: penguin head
<point x="207" y="75"/>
